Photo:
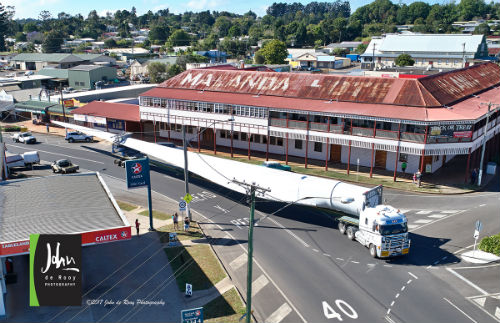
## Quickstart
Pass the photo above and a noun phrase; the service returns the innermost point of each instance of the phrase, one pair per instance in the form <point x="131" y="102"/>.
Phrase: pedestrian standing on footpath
<point x="137" y="224"/>
<point x="414" y="178"/>
<point x="186" y="224"/>
<point x="47" y="126"/>
<point x="403" y="166"/>
<point x="175" y="218"/>
<point x="473" y="176"/>
<point x="419" y="178"/>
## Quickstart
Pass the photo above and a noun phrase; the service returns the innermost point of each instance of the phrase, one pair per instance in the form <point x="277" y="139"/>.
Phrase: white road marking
<point x="388" y="311"/>
<point x="476" y="267"/>
<point x="450" y="211"/>
<point x="424" y="212"/>
<point x="412" y="275"/>
<point x="413" y="226"/>
<point x="387" y="265"/>
<point x="57" y="154"/>
<point x="355" y="262"/>
<point x="409" y="281"/>
<point x="423" y="221"/>
<point x="279" y="314"/>
<point x="315" y="250"/>
<point x="289" y="232"/>
<point x="459" y="251"/>
<point x="326" y="255"/>
<point x="482" y="204"/>
<point x="403" y="288"/>
<point x="388" y="319"/>
<point x="468" y="282"/>
<point x="437" y="216"/>
<point x="397" y="295"/>
<point x="449" y="216"/>
<point x="497" y="312"/>
<point x="470" y="318"/>
<point x="480" y="301"/>
<point x="258" y="284"/>
<point x="392" y="303"/>
<point x="238" y="262"/>
<point x="339" y="259"/>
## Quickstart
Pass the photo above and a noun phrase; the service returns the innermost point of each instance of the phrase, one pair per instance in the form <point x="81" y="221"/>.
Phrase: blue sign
<point x="194" y="315"/>
<point x="182" y="205"/>
<point x="137" y="172"/>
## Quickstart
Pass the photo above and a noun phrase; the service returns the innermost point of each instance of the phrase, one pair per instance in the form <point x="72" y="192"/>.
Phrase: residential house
<point x="214" y="56"/>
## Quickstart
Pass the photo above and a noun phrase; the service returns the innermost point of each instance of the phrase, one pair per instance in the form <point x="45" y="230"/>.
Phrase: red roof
<point x="469" y="109"/>
<point x="118" y="111"/>
<point x="431" y="91"/>
<point x="493" y="50"/>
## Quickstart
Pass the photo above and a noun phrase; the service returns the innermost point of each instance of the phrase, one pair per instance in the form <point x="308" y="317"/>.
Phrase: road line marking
<point x="437" y="216"/>
<point x="409" y="281"/>
<point x="468" y="282"/>
<point x="279" y="314"/>
<point x="475" y="267"/>
<point x="388" y="319"/>
<point x="470" y="318"/>
<point x="392" y="303"/>
<point x="315" y="250"/>
<point x="387" y="265"/>
<point x="450" y="211"/>
<point x="449" y="216"/>
<point x="423" y="221"/>
<point x="258" y="265"/>
<point x="289" y="232"/>
<point x="412" y="275"/>
<point x="339" y="259"/>
<point x="355" y="262"/>
<point x="424" y="212"/>
<point x="413" y="226"/>
<point x="403" y="288"/>
<point x="397" y="295"/>
<point x="404" y="211"/>
<point x="480" y="301"/>
<point x="326" y="255"/>
<point x="57" y="154"/>
<point x="258" y="284"/>
<point x="388" y="311"/>
<point x="458" y="251"/>
<point x="497" y="312"/>
<point x="482" y="205"/>
<point x="371" y="265"/>
<point x="238" y="262"/>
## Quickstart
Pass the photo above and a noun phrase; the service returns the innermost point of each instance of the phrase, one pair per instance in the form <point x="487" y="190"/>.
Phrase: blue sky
<point x="31" y="8"/>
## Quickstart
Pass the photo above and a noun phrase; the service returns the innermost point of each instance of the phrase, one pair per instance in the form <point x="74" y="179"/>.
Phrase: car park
<point x="24" y="137"/>
<point x="64" y="166"/>
<point x="74" y="136"/>
<point x="276" y="165"/>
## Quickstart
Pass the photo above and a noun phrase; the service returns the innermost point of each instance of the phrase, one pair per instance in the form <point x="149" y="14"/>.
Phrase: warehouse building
<point x="374" y="122"/>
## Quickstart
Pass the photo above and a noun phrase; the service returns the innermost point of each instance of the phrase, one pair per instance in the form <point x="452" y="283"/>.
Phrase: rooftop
<point x="86" y="68"/>
<point x="45" y="57"/>
<point x="415" y="43"/>
<point x="120" y="111"/>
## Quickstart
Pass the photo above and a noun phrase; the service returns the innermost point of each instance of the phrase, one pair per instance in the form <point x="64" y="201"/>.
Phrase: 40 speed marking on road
<point x="343" y="306"/>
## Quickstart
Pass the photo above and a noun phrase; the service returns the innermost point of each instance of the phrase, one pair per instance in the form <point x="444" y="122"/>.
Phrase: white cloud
<point x="204" y="4"/>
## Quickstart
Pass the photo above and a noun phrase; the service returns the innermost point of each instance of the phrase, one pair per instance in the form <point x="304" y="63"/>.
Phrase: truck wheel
<point x="71" y="140"/>
<point x="373" y="250"/>
<point x="350" y="233"/>
<point x="341" y="228"/>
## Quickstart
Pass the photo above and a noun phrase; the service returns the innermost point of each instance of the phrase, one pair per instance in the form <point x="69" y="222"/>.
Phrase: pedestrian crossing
<point x="418" y="218"/>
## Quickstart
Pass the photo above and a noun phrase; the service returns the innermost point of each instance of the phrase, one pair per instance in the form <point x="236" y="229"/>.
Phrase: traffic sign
<point x="189" y="289"/>
<point x="194" y="315"/>
<point x="137" y="172"/>
<point x="182" y="205"/>
<point x="479" y="225"/>
<point x="476" y="234"/>
<point x="188" y="198"/>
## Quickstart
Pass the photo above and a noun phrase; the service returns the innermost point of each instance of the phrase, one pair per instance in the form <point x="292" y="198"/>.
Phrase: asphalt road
<point x="306" y="271"/>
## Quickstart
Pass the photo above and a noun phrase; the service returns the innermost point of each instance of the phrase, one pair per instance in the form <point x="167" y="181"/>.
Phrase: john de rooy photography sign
<point x="451" y="131"/>
<point x="55" y="270"/>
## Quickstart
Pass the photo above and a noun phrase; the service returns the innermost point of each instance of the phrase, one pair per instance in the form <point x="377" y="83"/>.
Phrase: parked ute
<point x="276" y="165"/>
<point x="64" y="166"/>
<point x="124" y="154"/>
<point x="24" y="137"/>
<point x="78" y="136"/>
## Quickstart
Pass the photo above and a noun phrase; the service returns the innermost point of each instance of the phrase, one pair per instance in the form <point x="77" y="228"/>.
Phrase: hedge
<point x="491" y="244"/>
<point x="11" y="128"/>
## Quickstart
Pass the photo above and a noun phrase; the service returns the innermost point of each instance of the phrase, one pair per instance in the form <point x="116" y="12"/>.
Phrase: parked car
<point x="78" y="136"/>
<point x="125" y="153"/>
<point x="24" y="137"/>
<point x="10" y="75"/>
<point x="28" y="73"/>
<point x="64" y="166"/>
<point x="276" y="165"/>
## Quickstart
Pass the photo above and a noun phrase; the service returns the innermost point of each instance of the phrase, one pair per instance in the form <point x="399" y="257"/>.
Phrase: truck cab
<point x="383" y="229"/>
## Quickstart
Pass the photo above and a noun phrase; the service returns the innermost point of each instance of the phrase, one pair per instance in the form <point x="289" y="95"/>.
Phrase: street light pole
<point x="186" y="172"/>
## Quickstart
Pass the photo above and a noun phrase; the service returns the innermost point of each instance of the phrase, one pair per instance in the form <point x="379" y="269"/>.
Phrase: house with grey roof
<point x="442" y="51"/>
<point x="37" y="61"/>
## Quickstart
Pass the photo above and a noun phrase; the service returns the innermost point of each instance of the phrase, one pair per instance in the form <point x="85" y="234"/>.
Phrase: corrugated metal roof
<point x="435" y="43"/>
<point x="437" y="90"/>
<point x="119" y="111"/>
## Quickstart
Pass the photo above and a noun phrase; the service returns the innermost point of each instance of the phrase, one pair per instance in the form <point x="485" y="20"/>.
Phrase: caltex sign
<point x="137" y="172"/>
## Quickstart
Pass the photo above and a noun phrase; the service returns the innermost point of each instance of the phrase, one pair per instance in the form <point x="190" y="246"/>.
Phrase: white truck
<point x="383" y="229"/>
<point x="24" y="137"/>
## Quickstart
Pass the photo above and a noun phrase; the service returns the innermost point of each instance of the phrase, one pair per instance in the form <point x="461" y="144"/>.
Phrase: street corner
<point x="479" y="257"/>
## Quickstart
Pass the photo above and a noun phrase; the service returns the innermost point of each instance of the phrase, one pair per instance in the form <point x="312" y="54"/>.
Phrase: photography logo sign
<point x="55" y="270"/>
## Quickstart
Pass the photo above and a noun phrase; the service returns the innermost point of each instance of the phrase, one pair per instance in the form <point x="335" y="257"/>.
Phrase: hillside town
<point x="304" y="113"/>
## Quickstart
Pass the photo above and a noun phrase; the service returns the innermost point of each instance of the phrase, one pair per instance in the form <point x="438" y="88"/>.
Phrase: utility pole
<point x="373" y="55"/>
<point x="2" y="160"/>
<point x="186" y="172"/>
<point x="463" y="55"/>
<point x="251" y="188"/>
<point x="483" y="149"/>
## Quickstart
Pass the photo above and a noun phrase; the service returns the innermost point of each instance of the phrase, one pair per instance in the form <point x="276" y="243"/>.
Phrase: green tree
<point x="30" y="26"/>
<point x="6" y="13"/>
<point x="274" y="52"/>
<point x="259" y="58"/>
<point x="404" y="60"/>
<point x="159" y="34"/>
<point x="361" y="48"/>
<point x="179" y="38"/>
<point x="52" y="42"/>
<point x="157" y="72"/>
<point x="482" y="29"/>
<point x="20" y="36"/>
<point x="173" y="70"/>
<point x="469" y="9"/>
<point x="221" y="26"/>
<point x="110" y="43"/>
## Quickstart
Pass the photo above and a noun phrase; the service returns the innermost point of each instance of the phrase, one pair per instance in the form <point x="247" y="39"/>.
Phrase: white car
<point x="24" y="137"/>
<point x="78" y="136"/>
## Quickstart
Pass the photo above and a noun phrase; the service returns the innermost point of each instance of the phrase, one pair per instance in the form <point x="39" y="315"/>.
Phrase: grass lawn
<point x="193" y="233"/>
<point x="196" y="265"/>
<point x="126" y="206"/>
<point x="225" y="308"/>
<point x="157" y="215"/>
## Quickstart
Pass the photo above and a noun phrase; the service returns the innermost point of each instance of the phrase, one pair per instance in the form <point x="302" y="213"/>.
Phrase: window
<point x="235" y="135"/>
<point x="403" y="158"/>
<point x="243" y="136"/>
<point x="223" y="134"/>
<point x="272" y="140"/>
<point x="436" y="158"/>
<point x="318" y="146"/>
<point x="256" y="138"/>
<point x="279" y="141"/>
<point x="264" y="139"/>
<point x="298" y="144"/>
